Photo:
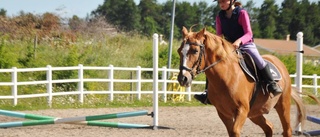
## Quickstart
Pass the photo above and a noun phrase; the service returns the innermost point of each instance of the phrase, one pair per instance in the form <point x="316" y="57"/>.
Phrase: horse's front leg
<point x="235" y="125"/>
<point x="228" y="122"/>
<point x="239" y="120"/>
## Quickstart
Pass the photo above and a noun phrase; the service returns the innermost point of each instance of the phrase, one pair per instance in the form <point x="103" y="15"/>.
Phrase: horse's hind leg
<point x="264" y="124"/>
<point x="283" y="110"/>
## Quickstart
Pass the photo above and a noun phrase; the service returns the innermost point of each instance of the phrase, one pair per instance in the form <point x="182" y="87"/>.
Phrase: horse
<point x="230" y="89"/>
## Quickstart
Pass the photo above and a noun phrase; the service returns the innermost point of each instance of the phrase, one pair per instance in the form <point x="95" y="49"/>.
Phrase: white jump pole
<point x="299" y="63"/>
<point x="155" y="80"/>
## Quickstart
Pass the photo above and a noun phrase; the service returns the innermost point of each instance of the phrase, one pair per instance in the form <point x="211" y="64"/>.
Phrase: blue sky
<point x="67" y="8"/>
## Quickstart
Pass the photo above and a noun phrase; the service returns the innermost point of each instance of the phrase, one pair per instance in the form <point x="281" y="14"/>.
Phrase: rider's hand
<point x="237" y="43"/>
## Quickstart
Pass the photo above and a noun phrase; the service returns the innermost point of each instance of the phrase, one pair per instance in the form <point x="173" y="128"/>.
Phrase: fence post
<point x="315" y="84"/>
<point x="139" y="82"/>
<point x="299" y="67"/>
<point x="165" y="82"/>
<point x="80" y="84"/>
<point x="155" y="80"/>
<point x="111" y="82"/>
<point x="49" y="85"/>
<point x="189" y="93"/>
<point x="299" y="61"/>
<point x="14" y="89"/>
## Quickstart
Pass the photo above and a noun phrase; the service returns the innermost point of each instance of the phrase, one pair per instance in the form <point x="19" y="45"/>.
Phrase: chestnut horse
<point x="230" y="89"/>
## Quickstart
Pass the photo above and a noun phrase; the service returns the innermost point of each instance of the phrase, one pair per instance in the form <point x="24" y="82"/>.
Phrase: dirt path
<point x="185" y="121"/>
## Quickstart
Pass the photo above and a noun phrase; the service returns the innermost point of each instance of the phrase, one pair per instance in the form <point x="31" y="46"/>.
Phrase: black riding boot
<point x="271" y="84"/>
<point x="203" y="98"/>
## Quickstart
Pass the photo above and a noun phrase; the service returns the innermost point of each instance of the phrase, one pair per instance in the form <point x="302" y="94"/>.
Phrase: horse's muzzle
<point x="185" y="79"/>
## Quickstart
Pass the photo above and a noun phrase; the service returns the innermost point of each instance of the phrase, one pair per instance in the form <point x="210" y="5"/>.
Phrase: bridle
<point x="198" y="62"/>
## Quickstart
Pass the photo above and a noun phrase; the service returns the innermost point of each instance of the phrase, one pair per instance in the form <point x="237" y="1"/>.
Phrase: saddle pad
<point x="274" y="71"/>
<point x="247" y="67"/>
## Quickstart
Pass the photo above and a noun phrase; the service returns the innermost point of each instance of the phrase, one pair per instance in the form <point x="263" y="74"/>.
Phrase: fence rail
<point x="110" y="81"/>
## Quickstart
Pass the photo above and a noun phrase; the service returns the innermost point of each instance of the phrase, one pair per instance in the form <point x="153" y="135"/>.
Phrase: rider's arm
<point x="244" y="21"/>
<point x="218" y="26"/>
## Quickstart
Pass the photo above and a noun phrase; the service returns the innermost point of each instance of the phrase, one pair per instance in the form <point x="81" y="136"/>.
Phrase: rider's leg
<point x="262" y="66"/>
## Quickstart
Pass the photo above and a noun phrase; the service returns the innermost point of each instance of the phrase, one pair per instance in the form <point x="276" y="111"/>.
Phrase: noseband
<point x="198" y="62"/>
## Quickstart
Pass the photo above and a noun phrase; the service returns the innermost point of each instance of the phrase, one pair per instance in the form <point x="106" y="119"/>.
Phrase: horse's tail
<point x="302" y="114"/>
<point x="311" y="96"/>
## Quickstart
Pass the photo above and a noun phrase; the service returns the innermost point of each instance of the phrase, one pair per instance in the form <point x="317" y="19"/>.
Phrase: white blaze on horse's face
<point x="184" y="52"/>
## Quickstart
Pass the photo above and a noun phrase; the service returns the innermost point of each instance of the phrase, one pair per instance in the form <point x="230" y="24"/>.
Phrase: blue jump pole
<point x="314" y="132"/>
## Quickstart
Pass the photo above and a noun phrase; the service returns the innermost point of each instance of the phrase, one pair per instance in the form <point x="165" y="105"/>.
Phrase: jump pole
<point x="70" y="120"/>
<point x="86" y="120"/>
<point x="24" y="115"/>
<point x="313" y="132"/>
<point x="155" y="80"/>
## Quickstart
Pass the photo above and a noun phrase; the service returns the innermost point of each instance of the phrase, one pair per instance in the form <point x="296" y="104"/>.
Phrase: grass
<point x="119" y="51"/>
<point x="91" y="101"/>
<point x="101" y="101"/>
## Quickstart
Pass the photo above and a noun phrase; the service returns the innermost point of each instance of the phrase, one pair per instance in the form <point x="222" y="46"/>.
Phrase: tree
<point x="297" y="23"/>
<point x="312" y="20"/>
<point x="285" y="17"/>
<point x="267" y="18"/>
<point x="186" y="15"/>
<point x="165" y="23"/>
<point x="253" y="13"/>
<point x="124" y="14"/>
<point x="205" y="14"/>
<point x="149" y="11"/>
<point x="75" y="23"/>
<point x="3" y="12"/>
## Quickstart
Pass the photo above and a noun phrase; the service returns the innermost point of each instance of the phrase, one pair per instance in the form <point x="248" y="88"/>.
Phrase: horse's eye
<point x="194" y="51"/>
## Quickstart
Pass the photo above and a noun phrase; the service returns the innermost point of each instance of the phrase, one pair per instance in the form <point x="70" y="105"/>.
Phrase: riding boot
<point x="271" y="84"/>
<point x="203" y="98"/>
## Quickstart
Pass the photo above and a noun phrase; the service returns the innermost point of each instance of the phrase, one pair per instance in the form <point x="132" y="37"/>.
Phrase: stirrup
<point x="274" y="88"/>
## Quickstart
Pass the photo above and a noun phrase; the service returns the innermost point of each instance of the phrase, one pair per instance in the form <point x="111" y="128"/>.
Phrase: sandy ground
<point x="183" y="121"/>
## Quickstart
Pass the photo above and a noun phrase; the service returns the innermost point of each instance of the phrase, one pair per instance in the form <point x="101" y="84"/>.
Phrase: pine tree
<point x="253" y="13"/>
<point x="284" y="19"/>
<point x="267" y="18"/>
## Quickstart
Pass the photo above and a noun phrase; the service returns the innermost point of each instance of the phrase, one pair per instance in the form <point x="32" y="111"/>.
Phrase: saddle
<point x="248" y="65"/>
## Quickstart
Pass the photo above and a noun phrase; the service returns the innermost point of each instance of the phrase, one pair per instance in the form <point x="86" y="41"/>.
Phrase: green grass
<point x="119" y="51"/>
<point x="101" y="101"/>
<point x="91" y="101"/>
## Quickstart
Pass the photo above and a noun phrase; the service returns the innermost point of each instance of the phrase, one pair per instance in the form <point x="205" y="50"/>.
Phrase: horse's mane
<point x="215" y="42"/>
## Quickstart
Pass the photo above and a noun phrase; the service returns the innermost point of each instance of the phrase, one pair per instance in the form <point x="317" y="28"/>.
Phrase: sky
<point x="68" y="8"/>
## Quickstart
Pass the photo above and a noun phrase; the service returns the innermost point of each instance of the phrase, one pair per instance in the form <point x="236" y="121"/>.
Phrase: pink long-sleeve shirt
<point x="244" y="21"/>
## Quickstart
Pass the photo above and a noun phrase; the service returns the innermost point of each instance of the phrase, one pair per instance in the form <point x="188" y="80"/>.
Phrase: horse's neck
<point x="226" y="62"/>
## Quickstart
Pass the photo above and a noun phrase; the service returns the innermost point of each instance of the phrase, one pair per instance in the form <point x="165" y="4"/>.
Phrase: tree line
<point x="268" y="21"/>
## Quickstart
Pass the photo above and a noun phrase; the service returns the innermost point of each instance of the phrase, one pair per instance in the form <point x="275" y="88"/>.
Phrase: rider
<point x="234" y="25"/>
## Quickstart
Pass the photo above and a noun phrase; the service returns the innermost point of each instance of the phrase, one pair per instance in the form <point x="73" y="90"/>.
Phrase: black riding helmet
<point x="230" y="3"/>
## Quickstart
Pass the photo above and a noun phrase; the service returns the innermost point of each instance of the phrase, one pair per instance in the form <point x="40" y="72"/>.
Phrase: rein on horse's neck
<point x="224" y="50"/>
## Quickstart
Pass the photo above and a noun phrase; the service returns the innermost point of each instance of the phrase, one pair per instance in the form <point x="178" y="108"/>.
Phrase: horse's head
<point x="191" y="54"/>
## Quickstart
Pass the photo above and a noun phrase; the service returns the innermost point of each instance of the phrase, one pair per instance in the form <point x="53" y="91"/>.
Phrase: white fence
<point x="110" y="81"/>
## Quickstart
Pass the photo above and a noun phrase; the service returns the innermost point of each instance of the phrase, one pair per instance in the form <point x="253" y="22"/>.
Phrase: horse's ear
<point x="203" y="32"/>
<point x="184" y="32"/>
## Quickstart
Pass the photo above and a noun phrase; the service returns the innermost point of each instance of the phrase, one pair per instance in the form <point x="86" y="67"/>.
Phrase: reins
<point x="198" y="62"/>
